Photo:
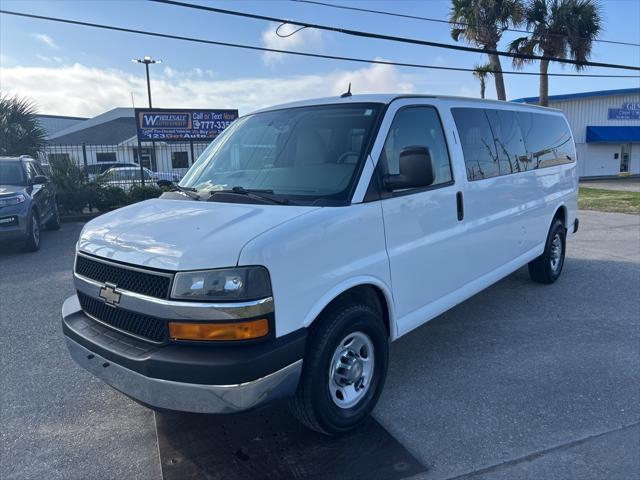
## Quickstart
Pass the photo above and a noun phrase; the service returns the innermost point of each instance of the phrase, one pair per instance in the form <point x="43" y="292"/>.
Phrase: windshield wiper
<point x="188" y="191"/>
<point x="262" y="194"/>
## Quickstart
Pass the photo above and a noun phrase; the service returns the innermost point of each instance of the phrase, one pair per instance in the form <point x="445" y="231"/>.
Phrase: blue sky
<point x="73" y="70"/>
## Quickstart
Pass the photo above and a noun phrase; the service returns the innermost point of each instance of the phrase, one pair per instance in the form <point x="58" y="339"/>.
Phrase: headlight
<point x="14" y="200"/>
<point x="225" y="284"/>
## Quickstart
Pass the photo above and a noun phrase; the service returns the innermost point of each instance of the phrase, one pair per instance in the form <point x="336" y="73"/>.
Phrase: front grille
<point x="138" y="324"/>
<point x="145" y="283"/>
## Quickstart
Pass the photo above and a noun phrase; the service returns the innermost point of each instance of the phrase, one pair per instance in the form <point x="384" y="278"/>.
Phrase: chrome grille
<point x="133" y="280"/>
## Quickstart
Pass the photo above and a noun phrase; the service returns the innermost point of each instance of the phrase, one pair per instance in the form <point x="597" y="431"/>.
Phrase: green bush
<point x="108" y="197"/>
<point x="138" y="193"/>
<point x="71" y="187"/>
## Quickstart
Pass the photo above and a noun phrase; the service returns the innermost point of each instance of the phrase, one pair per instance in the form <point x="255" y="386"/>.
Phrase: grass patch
<point x="609" y="200"/>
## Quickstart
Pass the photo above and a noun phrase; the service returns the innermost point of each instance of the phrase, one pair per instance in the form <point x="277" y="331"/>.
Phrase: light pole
<point x="147" y="60"/>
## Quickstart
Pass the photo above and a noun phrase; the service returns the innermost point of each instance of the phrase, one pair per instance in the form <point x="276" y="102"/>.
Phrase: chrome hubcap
<point x="556" y="252"/>
<point x="351" y="369"/>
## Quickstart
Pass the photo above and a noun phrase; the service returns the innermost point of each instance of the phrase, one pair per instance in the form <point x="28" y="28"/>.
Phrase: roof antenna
<point x="347" y="93"/>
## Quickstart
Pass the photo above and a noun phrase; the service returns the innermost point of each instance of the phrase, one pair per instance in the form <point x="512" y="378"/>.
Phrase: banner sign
<point x="629" y="111"/>
<point x="164" y="124"/>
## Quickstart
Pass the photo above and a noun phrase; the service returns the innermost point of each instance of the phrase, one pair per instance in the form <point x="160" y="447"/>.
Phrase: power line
<point x="288" y="52"/>
<point x="379" y="36"/>
<point x="448" y="22"/>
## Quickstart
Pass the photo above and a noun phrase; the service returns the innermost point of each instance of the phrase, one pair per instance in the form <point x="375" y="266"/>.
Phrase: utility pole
<point x="147" y="60"/>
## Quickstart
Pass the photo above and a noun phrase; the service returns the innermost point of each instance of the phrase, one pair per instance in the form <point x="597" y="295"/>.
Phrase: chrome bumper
<point x="188" y="397"/>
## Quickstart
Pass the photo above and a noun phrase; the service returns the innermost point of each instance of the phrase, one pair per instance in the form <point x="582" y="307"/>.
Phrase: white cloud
<point x="46" y="39"/>
<point x="310" y="38"/>
<point x="84" y="91"/>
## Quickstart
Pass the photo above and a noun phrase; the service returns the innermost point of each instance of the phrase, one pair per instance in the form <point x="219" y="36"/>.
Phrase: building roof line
<point x="572" y="96"/>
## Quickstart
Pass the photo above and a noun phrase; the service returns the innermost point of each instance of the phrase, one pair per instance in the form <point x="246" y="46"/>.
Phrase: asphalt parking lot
<point x="522" y="381"/>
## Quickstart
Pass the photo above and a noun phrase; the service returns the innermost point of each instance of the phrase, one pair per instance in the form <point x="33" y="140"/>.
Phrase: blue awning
<point x="613" y="134"/>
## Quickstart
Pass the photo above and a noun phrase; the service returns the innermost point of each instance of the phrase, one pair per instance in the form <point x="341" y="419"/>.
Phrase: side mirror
<point x="39" y="180"/>
<point x="416" y="169"/>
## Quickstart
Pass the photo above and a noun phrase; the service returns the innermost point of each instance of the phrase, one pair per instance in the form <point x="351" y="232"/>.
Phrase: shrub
<point x="108" y="197"/>
<point x="137" y="193"/>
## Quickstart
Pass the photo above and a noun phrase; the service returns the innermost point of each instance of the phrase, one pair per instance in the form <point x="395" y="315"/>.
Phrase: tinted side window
<point x="512" y="154"/>
<point x="547" y="139"/>
<point x="417" y="126"/>
<point x="476" y="137"/>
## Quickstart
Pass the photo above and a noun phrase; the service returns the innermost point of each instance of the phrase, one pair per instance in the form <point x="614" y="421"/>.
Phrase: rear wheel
<point x="548" y="266"/>
<point x="32" y="242"/>
<point x="344" y="369"/>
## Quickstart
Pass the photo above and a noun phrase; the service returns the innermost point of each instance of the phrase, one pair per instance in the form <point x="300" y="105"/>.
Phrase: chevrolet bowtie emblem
<point x="109" y="295"/>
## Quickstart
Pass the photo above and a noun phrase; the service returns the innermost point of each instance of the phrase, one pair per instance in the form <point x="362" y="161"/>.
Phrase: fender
<point x="342" y="287"/>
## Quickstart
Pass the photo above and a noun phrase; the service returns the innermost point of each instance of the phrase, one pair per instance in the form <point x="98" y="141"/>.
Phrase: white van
<point x="306" y="238"/>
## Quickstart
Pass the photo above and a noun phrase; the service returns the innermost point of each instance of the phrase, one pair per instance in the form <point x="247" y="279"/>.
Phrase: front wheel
<point x="344" y="369"/>
<point x="32" y="242"/>
<point x="548" y="266"/>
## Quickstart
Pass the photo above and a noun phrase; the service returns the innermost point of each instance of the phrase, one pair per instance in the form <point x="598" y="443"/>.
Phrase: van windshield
<point x="305" y="155"/>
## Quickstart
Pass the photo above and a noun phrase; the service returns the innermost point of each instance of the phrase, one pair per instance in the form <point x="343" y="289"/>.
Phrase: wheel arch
<point x="370" y="291"/>
<point x="561" y="214"/>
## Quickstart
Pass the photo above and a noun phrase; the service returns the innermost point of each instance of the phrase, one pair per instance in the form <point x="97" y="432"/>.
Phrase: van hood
<point x="181" y="235"/>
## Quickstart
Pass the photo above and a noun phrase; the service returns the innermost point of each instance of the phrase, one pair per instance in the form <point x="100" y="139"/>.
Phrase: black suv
<point x="27" y="201"/>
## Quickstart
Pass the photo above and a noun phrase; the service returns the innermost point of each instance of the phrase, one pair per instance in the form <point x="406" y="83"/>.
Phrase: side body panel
<point x="317" y="256"/>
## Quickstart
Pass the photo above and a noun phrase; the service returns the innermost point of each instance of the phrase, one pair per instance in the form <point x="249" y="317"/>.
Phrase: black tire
<point x="313" y="404"/>
<point x="54" y="221"/>
<point x="543" y="269"/>
<point x="32" y="242"/>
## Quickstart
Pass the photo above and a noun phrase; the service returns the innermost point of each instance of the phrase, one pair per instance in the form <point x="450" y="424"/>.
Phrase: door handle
<point x="460" y="205"/>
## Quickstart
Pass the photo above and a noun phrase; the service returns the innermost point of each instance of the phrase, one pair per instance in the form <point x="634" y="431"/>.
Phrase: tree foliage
<point x="559" y="28"/>
<point x="482" y="23"/>
<point x="20" y="130"/>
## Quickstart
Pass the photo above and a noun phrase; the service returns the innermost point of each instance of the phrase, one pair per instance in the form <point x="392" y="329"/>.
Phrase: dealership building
<point x="606" y="128"/>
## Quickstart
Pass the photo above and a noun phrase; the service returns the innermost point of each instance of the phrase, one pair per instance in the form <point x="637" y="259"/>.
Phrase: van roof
<point x="387" y="98"/>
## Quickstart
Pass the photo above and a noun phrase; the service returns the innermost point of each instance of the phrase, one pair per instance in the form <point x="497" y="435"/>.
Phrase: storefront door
<point x="625" y="157"/>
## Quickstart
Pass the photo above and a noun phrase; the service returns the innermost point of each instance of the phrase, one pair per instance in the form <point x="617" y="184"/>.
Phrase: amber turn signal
<point x="219" y="331"/>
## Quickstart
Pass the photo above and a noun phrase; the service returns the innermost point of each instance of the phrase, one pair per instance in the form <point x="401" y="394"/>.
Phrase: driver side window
<point x="417" y="126"/>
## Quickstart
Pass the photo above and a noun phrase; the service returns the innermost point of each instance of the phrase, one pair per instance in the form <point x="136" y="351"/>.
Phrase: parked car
<point x="309" y="236"/>
<point x="27" y="202"/>
<point x="96" y="169"/>
<point x="126" y="177"/>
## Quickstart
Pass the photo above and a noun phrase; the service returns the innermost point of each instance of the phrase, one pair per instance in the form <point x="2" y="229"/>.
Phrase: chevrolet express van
<point x="309" y="236"/>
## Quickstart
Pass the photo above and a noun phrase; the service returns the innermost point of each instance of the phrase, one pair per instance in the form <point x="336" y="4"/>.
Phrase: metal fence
<point x="128" y="163"/>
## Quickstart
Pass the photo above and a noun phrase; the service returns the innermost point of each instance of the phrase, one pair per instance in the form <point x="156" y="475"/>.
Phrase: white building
<point x="112" y="137"/>
<point x="606" y="127"/>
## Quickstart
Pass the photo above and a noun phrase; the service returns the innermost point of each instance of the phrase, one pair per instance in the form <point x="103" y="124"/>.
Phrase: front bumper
<point x="189" y="378"/>
<point x="13" y="222"/>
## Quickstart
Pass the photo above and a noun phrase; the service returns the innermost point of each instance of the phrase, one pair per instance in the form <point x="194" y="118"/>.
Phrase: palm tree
<point x="482" y="22"/>
<point x="559" y="28"/>
<point x="20" y="130"/>
<point x="481" y="72"/>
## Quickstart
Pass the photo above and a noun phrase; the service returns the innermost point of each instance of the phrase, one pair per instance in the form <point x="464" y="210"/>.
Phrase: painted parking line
<point x="270" y="444"/>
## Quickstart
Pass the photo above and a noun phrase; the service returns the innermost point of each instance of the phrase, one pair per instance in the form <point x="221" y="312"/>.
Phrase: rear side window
<point x="480" y="155"/>
<point x="502" y="142"/>
<point x="417" y="126"/>
<point x="547" y="139"/>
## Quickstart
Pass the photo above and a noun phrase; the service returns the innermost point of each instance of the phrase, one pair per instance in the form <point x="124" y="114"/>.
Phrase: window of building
<point x="106" y="156"/>
<point x="417" y="126"/>
<point x="180" y="159"/>
<point x="476" y="137"/>
<point x="510" y="148"/>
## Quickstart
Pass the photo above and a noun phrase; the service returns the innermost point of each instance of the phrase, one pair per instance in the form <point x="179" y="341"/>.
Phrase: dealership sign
<point x="629" y="111"/>
<point x="178" y="124"/>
